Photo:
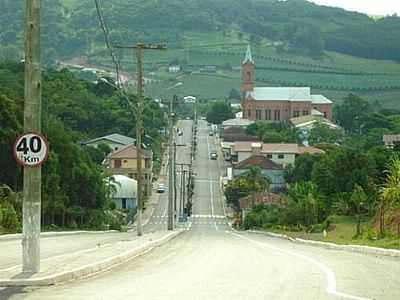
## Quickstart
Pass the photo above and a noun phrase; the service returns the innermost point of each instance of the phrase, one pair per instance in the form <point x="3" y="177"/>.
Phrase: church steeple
<point x="248" y="72"/>
<point x="248" y="57"/>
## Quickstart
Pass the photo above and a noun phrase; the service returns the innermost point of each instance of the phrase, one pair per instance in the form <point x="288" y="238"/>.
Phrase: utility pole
<point x="32" y="119"/>
<point x="171" y="168"/>
<point x="140" y="47"/>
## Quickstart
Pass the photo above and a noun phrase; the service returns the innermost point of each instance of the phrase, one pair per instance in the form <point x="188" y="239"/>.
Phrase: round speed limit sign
<point x="31" y="149"/>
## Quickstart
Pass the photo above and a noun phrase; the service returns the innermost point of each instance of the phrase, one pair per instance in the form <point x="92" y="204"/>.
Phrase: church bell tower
<point x="248" y="72"/>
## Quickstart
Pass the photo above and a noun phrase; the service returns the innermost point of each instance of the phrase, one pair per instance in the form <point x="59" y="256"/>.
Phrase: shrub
<point x="9" y="218"/>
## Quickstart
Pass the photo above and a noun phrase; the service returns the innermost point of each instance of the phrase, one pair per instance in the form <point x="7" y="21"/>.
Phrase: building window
<point x="281" y="156"/>
<point x="117" y="163"/>
<point x="123" y="204"/>
<point x="305" y="112"/>
<point x="267" y="114"/>
<point x="277" y="115"/>
<point x="258" y="114"/>
<point x="147" y="163"/>
<point x="130" y="175"/>
<point x="325" y="114"/>
<point x="248" y="113"/>
<point x="269" y="156"/>
<point x="296" y="113"/>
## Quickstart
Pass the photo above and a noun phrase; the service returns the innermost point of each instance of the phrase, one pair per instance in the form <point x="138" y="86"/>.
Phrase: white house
<point x="174" y="69"/>
<point x="281" y="154"/>
<point x="123" y="191"/>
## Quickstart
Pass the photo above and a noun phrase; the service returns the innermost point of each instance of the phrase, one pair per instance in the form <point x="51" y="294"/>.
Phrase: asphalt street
<point x="210" y="260"/>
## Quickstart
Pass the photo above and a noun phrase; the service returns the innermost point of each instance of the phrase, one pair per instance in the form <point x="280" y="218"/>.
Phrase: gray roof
<point x="281" y="93"/>
<point x="248" y="57"/>
<point x="125" y="187"/>
<point x="115" y="138"/>
<point x="287" y="94"/>
<point x="237" y="122"/>
<point x="320" y="99"/>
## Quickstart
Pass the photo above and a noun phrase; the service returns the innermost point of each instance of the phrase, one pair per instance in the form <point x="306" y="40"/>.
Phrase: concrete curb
<point x="89" y="270"/>
<point x="17" y="236"/>
<point x="333" y="246"/>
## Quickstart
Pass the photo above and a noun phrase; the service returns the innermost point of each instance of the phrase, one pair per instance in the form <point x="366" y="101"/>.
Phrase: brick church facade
<point x="276" y="104"/>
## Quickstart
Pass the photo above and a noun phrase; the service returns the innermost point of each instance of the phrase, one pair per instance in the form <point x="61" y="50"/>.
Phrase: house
<point x="270" y="170"/>
<point x="123" y="192"/>
<point x="114" y="141"/>
<point x="391" y="140"/>
<point x="174" y="68"/>
<point x="282" y="154"/>
<point x="276" y="104"/>
<point x="231" y="135"/>
<point x="306" y="123"/>
<point x="246" y="203"/>
<point x="236" y="122"/>
<point x="124" y="162"/>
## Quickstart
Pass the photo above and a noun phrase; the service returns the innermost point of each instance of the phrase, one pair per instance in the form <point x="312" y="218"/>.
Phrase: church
<point x="278" y="104"/>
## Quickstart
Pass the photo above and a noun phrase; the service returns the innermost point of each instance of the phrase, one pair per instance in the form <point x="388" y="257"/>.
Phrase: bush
<point x="9" y="219"/>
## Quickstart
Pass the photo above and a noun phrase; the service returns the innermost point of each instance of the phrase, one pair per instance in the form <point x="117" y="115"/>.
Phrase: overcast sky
<point x="371" y="7"/>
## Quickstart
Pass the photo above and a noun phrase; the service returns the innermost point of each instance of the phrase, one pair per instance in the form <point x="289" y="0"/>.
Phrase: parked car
<point x="211" y="133"/>
<point x="213" y="155"/>
<point x="180" y="132"/>
<point x="161" y="188"/>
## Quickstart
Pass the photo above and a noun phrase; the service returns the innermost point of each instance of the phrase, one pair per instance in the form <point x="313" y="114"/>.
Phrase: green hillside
<point x="294" y="42"/>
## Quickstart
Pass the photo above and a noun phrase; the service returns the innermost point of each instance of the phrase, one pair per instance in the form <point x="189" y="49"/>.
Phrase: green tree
<point x="351" y="113"/>
<point x="302" y="169"/>
<point x="219" y="112"/>
<point x="322" y="133"/>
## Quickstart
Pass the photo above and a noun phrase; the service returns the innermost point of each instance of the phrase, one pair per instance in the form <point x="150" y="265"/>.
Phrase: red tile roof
<point x="310" y="150"/>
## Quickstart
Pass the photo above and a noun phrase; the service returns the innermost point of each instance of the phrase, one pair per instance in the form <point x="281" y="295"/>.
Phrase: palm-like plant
<point x="389" y="192"/>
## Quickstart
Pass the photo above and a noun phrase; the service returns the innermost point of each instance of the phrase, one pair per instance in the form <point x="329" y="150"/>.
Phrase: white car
<point x="161" y="188"/>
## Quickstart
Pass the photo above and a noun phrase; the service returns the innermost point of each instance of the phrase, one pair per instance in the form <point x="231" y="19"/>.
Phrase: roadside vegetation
<point x="74" y="193"/>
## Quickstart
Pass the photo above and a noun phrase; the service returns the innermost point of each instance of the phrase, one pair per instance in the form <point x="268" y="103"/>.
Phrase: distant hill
<point x="70" y="27"/>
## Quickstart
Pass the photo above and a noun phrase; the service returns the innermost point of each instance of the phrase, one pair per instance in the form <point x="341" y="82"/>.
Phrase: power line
<point x="107" y="39"/>
<point x="114" y="57"/>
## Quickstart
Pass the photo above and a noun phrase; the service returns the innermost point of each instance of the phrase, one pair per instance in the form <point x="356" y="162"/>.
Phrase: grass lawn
<point x="343" y="232"/>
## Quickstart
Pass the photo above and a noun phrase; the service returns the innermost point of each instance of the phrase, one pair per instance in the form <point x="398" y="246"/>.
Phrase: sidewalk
<point x="155" y="197"/>
<point x="85" y="263"/>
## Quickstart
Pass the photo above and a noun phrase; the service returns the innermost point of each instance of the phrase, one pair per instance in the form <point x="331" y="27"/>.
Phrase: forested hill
<point x="71" y="26"/>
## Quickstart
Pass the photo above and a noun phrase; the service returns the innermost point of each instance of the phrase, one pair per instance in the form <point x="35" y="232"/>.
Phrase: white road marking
<point x="330" y="275"/>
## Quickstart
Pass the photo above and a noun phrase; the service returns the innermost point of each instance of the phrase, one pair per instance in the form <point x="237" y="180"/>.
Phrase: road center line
<point x="330" y="275"/>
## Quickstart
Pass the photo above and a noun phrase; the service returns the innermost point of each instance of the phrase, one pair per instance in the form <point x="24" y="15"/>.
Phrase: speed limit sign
<point x="31" y="149"/>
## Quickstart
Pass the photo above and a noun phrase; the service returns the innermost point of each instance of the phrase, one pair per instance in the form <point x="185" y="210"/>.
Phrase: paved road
<point x="212" y="261"/>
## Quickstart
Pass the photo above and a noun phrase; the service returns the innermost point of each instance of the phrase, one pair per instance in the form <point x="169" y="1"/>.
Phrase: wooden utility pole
<point x="139" y="122"/>
<point x="171" y="167"/>
<point x="32" y="119"/>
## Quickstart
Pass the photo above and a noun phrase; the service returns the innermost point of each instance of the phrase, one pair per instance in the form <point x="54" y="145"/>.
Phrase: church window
<point x="258" y="114"/>
<point x="268" y="114"/>
<point x="277" y="115"/>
